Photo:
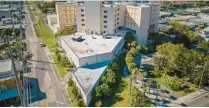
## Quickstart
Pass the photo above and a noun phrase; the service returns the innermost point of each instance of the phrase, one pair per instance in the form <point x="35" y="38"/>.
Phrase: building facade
<point x="66" y="14"/>
<point x="101" y="18"/>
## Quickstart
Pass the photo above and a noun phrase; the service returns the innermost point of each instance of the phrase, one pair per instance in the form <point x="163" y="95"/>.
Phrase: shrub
<point x="98" y="103"/>
<point x="70" y="82"/>
<point x="81" y="103"/>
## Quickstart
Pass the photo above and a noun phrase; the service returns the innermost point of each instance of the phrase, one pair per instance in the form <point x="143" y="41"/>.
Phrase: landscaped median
<point x="49" y="39"/>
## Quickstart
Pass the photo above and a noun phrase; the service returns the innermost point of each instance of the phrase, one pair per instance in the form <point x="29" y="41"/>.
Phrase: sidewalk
<point x="168" y="99"/>
<point x="187" y="98"/>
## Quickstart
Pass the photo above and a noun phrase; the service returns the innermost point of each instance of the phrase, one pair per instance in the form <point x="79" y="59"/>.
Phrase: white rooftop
<point x="87" y="76"/>
<point x="6" y="69"/>
<point x="91" y="45"/>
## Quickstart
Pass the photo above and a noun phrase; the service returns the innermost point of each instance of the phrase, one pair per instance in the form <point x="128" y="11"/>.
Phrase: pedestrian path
<point x="185" y="99"/>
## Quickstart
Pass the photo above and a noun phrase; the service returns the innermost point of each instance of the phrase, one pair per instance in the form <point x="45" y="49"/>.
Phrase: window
<point x="105" y="21"/>
<point x="104" y="32"/>
<point x="83" y="24"/>
<point x="105" y="16"/>
<point x="105" y="26"/>
<point x="118" y="14"/>
<point x="82" y="10"/>
<point x="105" y="11"/>
<point x="117" y="23"/>
<point x="118" y="9"/>
<point x="117" y="18"/>
<point x="82" y="19"/>
<point x="82" y="15"/>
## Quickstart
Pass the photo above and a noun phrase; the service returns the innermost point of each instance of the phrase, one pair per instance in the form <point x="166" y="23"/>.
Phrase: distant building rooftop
<point x="84" y="45"/>
<point x="6" y="69"/>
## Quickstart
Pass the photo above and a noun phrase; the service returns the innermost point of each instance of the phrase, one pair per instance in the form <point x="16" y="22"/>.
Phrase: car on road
<point x="42" y="45"/>
<point x="29" y="54"/>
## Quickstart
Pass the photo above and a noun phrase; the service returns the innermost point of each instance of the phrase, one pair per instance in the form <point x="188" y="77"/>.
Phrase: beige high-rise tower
<point x="66" y="14"/>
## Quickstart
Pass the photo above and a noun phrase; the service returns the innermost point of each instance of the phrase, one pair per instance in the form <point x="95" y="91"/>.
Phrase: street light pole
<point x="202" y="75"/>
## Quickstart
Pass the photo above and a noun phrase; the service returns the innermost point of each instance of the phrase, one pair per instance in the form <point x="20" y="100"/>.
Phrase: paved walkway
<point x="165" y="98"/>
<point x="185" y="99"/>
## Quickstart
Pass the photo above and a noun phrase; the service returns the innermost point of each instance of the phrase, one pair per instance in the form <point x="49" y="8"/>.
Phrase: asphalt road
<point x="46" y="86"/>
<point x="202" y="101"/>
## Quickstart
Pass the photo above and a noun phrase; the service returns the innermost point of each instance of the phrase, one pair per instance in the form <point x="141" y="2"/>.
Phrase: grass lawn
<point x="62" y="70"/>
<point x="177" y="93"/>
<point x="47" y="35"/>
<point x="124" y="95"/>
<point x="120" y="95"/>
<point x="50" y="41"/>
<point x="73" y="99"/>
<point x="35" y="13"/>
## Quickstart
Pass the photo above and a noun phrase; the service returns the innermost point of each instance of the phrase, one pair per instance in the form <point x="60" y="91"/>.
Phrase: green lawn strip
<point x="120" y="91"/>
<point x="177" y="93"/>
<point x="47" y="35"/>
<point x="124" y="94"/>
<point x="49" y="40"/>
<point x="72" y="97"/>
<point x="35" y="13"/>
<point x="62" y="70"/>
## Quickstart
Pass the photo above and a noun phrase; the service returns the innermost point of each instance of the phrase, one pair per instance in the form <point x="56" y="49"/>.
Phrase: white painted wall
<point x="85" y="98"/>
<point x="110" y="25"/>
<point x="69" y="53"/>
<point x="142" y="32"/>
<point x="93" y="19"/>
<point x="154" y="16"/>
<point x="79" y="18"/>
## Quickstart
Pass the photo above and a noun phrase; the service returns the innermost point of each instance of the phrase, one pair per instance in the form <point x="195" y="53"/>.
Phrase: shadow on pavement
<point x="42" y="61"/>
<point x="41" y="68"/>
<point x="32" y="89"/>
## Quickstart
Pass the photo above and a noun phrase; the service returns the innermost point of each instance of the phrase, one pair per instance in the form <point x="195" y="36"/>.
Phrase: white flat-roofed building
<point x="87" y="78"/>
<point x="6" y="69"/>
<point x="97" y="17"/>
<point x="84" y="49"/>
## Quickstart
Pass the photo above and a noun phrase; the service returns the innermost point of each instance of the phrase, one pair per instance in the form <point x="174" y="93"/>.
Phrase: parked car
<point x="42" y="45"/>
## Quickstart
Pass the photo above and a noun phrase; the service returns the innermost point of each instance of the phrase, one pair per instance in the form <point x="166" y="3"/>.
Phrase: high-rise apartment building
<point x="66" y="14"/>
<point x="97" y="17"/>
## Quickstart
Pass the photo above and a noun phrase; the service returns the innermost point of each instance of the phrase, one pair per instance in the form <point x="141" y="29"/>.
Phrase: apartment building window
<point x="104" y="31"/>
<point x="105" y="16"/>
<point x="105" y="11"/>
<point x="117" y="18"/>
<point x="118" y="9"/>
<point x="117" y="23"/>
<point x="82" y="19"/>
<point x="82" y="10"/>
<point x="105" y="21"/>
<point x="118" y="14"/>
<point x="82" y="15"/>
<point x="83" y="24"/>
<point x="105" y="26"/>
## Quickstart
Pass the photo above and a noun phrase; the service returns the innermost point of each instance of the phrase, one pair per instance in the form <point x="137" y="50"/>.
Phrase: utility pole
<point x="24" y="66"/>
<point x="202" y="75"/>
<point x="12" y="59"/>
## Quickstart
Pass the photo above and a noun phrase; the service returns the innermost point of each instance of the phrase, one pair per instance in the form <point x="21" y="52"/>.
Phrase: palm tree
<point x="158" y="87"/>
<point x="149" y="83"/>
<point x="135" y="71"/>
